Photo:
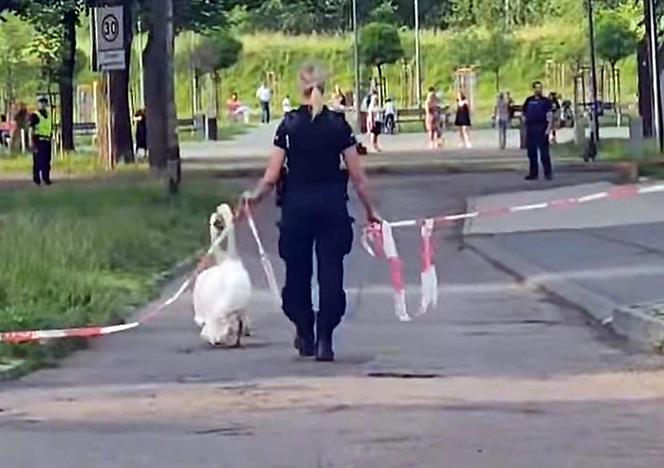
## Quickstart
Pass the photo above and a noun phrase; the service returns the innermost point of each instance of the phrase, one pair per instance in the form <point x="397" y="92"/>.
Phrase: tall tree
<point x="495" y="51"/>
<point x="163" y="144"/>
<point x="215" y="53"/>
<point x="59" y="18"/>
<point x="615" y="40"/>
<point x="380" y="45"/>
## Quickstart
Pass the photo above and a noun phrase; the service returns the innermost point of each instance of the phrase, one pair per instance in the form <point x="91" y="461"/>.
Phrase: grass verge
<point x="86" y="254"/>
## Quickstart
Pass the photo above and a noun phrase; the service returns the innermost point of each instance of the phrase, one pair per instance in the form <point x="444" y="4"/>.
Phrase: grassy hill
<point x="280" y="56"/>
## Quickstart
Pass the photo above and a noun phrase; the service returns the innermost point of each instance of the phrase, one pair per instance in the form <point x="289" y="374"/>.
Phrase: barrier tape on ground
<point x="16" y="337"/>
<point x="375" y="238"/>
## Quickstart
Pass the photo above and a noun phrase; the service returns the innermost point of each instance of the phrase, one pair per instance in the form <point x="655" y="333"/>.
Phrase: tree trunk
<point x="380" y="84"/>
<point x="215" y="80"/>
<point x="645" y="90"/>
<point x="122" y="141"/>
<point x="497" y="80"/>
<point x="163" y="146"/>
<point x="66" y="80"/>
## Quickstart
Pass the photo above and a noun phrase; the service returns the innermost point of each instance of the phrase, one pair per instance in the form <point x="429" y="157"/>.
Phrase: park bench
<point x="90" y="128"/>
<point x="419" y="115"/>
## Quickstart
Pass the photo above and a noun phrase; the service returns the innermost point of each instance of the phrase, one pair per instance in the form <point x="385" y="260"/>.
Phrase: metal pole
<point x="358" y="71"/>
<point x="418" y="69"/>
<point x="593" y="74"/>
<point x="141" y="83"/>
<point x="651" y="31"/>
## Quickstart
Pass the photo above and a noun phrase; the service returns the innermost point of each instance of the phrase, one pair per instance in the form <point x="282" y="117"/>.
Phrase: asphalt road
<point x="499" y="376"/>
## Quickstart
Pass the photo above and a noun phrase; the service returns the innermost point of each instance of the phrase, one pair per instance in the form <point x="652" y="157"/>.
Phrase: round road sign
<point x="110" y="27"/>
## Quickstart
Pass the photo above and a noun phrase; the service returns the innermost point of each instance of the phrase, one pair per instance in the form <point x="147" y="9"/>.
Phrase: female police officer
<point x="306" y="162"/>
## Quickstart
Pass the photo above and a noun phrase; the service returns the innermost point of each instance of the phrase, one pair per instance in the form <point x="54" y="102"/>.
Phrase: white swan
<point x="222" y="292"/>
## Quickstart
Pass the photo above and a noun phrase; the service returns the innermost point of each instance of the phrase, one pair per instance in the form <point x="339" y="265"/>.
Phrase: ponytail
<point x="317" y="102"/>
<point x="312" y="84"/>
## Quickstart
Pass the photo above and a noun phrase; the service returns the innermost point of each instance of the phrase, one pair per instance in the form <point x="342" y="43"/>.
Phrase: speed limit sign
<point x="109" y="38"/>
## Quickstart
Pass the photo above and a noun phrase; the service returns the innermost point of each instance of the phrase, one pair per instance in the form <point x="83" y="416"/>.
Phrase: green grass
<point x="85" y="253"/>
<point x="71" y="164"/>
<point x="611" y="150"/>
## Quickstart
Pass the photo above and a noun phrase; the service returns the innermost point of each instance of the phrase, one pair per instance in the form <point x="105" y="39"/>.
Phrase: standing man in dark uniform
<point x="41" y="127"/>
<point x="538" y="112"/>
<point x="311" y="147"/>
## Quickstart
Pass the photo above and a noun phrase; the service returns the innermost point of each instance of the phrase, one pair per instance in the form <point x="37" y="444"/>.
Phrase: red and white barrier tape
<point x="265" y="260"/>
<point x="376" y="239"/>
<point x="616" y="193"/>
<point x="15" y="337"/>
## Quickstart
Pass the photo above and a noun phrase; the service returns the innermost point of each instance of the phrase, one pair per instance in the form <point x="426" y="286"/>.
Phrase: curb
<point x="14" y="369"/>
<point x="402" y="167"/>
<point x="642" y="324"/>
<point x="596" y="306"/>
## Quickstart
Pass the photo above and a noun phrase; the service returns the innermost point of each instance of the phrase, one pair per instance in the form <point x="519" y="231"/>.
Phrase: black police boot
<point x="304" y="342"/>
<point x="324" y="351"/>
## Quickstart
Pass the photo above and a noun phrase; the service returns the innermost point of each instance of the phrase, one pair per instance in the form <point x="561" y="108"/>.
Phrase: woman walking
<point x="374" y="121"/>
<point x="432" y="116"/>
<point x="502" y="117"/>
<point x="312" y="142"/>
<point x="462" y="120"/>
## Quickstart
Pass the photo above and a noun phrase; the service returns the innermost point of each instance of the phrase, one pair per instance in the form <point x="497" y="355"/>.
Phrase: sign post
<point x="108" y="56"/>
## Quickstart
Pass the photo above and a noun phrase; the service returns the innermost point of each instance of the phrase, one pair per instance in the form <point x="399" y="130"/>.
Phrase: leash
<point x="266" y="264"/>
<point x="16" y="337"/>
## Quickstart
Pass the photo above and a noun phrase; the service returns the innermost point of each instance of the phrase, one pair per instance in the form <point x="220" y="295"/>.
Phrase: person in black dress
<point x="314" y="155"/>
<point x="141" y="134"/>
<point x="462" y="120"/>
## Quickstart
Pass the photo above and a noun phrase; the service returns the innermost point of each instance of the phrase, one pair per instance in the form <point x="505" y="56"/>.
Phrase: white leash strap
<point x="265" y="261"/>
<point x="429" y="278"/>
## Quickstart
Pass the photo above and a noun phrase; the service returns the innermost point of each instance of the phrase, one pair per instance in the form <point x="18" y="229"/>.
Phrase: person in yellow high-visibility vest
<point x="41" y="128"/>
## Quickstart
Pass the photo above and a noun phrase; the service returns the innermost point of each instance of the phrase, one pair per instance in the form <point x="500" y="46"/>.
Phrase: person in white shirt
<point x="286" y="105"/>
<point x="264" y="95"/>
<point x="390" y="116"/>
<point x="374" y="121"/>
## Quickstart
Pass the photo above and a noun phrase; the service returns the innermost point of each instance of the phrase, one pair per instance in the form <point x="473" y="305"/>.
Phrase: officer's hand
<point x="373" y="217"/>
<point x="248" y="198"/>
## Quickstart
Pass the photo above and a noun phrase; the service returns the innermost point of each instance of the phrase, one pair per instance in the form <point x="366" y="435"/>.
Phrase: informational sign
<point x="109" y="38"/>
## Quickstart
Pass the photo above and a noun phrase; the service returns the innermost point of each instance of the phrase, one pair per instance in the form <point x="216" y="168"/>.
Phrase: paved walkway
<point x="256" y="143"/>
<point x="508" y="377"/>
<point x="601" y="255"/>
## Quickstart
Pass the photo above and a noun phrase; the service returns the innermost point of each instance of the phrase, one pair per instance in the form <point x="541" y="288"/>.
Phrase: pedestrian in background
<point x="41" y="128"/>
<point x="264" y="95"/>
<point x="390" y="116"/>
<point x="502" y="116"/>
<point x="462" y="120"/>
<point x="312" y="142"/>
<point x="141" y="134"/>
<point x="374" y="121"/>
<point x="286" y="105"/>
<point x="432" y="118"/>
<point x="555" y="116"/>
<point x="538" y="112"/>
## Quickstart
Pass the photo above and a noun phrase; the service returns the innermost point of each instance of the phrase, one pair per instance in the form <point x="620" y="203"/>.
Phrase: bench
<point x="90" y="128"/>
<point x="419" y="115"/>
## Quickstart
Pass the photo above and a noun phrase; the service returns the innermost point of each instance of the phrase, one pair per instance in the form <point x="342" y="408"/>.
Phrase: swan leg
<point x="240" y="332"/>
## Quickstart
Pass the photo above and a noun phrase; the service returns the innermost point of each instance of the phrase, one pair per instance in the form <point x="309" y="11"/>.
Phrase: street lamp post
<point x="418" y="67"/>
<point x="593" y="75"/>
<point x="651" y="33"/>
<point x="358" y="71"/>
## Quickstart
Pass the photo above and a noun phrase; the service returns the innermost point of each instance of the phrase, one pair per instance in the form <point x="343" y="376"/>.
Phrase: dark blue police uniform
<point x="537" y="110"/>
<point x="314" y="217"/>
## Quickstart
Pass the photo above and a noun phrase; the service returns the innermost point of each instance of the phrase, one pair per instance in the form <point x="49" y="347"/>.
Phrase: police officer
<point x="314" y="154"/>
<point x="538" y="112"/>
<point x="41" y="127"/>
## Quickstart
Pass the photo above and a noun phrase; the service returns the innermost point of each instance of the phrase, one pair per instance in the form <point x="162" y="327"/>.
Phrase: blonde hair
<point x="312" y="84"/>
